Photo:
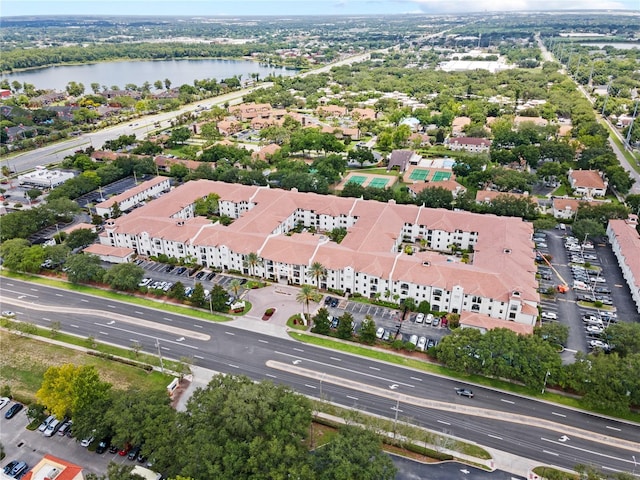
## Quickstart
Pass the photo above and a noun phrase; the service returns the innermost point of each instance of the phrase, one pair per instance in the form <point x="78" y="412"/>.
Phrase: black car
<point x="169" y="268"/>
<point x="327" y="300"/>
<point x="114" y="449"/>
<point x="210" y="276"/>
<point x="334" y="302"/>
<point x="335" y="321"/>
<point x="180" y="270"/>
<point x="200" y="275"/>
<point x="464" y="392"/>
<point x="133" y="454"/>
<point x="103" y="445"/>
<point x="12" y="412"/>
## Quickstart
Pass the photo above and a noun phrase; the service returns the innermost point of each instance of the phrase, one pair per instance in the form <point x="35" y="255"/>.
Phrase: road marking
<point x="374" y="368"/>
<point x="310" y="386"/>
<point x="165" y="348"/>
<point x="84" y="300"/>
<point x="270" y="376"/>
<point x="74" y="326"/>
<point x="551" y="453"/>
<point x="47" y="319"/>
<point x="352" y="397"/>
<point x="593" y="452"/>
<point x="614" y="428"/>
<point x="416" y="378"/>
<point x="494" y="436"/>
<point x="197" y="326"/>
<point x="229" y="333"/>
<point x="262" y="341"/>
<point x="336" y="359"/>
<point x="111" y="306"/>
<point x="104" y="333"/>
<point x="233" y="366"/>
<point x="10" y="284"/>
<point x="198" y="356"/>
<point x="139" y="313"/>
<point x="443" y="422"/>
<point x="298" y="350"/>
<point x="507" y="401"/>
<point x="33" y="289"/>
<point x="167" y="319"/>
<point x="570" y="350"/>
<point x="59" y="295"/>
<point x="558" y="414"/>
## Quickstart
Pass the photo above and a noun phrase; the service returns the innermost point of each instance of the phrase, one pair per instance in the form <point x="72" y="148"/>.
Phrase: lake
<point x="122" y="73"/>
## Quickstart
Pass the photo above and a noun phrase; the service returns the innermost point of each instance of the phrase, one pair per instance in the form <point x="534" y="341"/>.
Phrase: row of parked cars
<point x="15" y="468"/>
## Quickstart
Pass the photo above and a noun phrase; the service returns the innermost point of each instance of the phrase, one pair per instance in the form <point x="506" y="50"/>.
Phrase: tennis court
<point x="441" y="176"/>
<point x="357" y="179"/>
<point x="419" y="174"/>
<point x="378" y="182"/>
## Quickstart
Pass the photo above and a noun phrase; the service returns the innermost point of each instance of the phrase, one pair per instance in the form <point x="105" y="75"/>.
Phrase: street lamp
<point x="395" y="420"/>
<point x="544" y="386"/>
<point x="160" y="355"/>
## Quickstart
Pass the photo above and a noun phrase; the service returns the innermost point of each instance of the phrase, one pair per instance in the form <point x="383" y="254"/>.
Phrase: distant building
<point x="54" y="468"/>
<point x="488" y="196"/>
<point x="44" y="178"/>
<point x="469" y="144"/>
<point x="133" y="196"/>
<point x="111" y="254"/>
<point x="454" y="187"/>
<point x="402" y="159"/>
<point x="458" y="124"/>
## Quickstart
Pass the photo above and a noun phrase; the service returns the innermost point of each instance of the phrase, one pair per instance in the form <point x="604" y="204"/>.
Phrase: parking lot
<point x="591" y="271"/>
<point x="390" y="320"/>
<point x="22" y="444"/>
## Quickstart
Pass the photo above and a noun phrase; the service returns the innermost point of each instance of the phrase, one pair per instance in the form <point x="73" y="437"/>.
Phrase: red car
<point x="124" y="450"/>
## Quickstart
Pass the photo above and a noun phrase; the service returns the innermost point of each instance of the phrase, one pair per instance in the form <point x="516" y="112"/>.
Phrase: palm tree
<point x="306" y="295"/>
<point x="235" y="286"/>
<point x="318" y="272"/>
<point x="252" y="260"/>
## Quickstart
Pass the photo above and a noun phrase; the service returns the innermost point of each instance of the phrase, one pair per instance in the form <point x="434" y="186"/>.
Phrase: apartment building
<point x="393" y="251"/>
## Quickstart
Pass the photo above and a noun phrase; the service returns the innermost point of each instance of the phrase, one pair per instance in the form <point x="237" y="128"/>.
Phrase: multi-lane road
<point x="525" y="427"/>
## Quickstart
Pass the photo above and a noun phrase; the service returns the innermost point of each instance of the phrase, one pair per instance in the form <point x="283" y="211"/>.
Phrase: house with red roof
<point x="50" y="468"/>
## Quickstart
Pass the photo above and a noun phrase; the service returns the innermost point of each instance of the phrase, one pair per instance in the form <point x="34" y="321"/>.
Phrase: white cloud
<point x="470" y="6"/>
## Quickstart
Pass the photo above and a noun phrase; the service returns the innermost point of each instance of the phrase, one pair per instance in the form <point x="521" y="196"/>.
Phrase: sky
<point x="294" y="7"/>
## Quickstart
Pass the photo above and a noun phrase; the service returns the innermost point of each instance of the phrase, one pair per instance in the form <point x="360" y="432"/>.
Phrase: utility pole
<point x="545" y="381"/>
<point x="633" y="119"/>
<point x="160" y="355"/>
<point x="395" y="420"/>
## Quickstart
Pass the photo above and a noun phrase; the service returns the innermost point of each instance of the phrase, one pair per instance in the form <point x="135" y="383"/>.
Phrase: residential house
<point x="266" y="152"/>
<point x="54" y="468"/>
<point x="229" y="127"/>
<point x="588" y="183"/>
<point x="454" y="187"/>
<point x="537" y="121"/>
<point x="331" y="111"/>
<point x="469" y="144"/>
<point x="458" y="124"/>
<point x="249" y="111"/>
<point x="110" y="254"/>
<point x="488" y="196"/>
<point x="363" y="114"/>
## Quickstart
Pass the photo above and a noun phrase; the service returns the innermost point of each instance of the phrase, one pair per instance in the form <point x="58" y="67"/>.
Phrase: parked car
<point x="420" y="318"/>
<point x="13" y="410"/>
<point x="413" y="340"/>
<point x="599" y="344"/>
<point x="18" y="470"/>
<point x="386" y="335"/>
<point x="422" y="343"/>
<point x="431" y="343"/>
<point x="45" y="423"/>
<point x="103" y="445"/>
<point x="200" y="275"/>
<point x="4" y="401"/>
<point x="464" y="392"/>
<point x="133" y="454"/>
<point x="594" y="329"/>
<point x="114" y="449"/>
<point x="64" y="428"/>
<point x="379" y="332"/>
<point x="85" y="442"/>
<point x="169" y="268"/>
<point x="8" y="314"/>
<point x="210" y="276"/>
<point x="9" y="466"/>
<point x="52" y="428"/>
<point x="124" y="450"/>
<point x="549" y="315"/>
<point x="335" y="321"/>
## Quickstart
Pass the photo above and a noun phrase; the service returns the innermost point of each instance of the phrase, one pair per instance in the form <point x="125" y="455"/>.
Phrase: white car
<point x="590" y="257"/>
<point x="8" y="314"/>
<point x="588" y="246"/>
<point x="86" y="442"/>
<point x="599" y="344"/>
<point x="420" y="318"/>
<point x="541" y="245"/>
<point x="380" y="332"/>
<point x="422" y="343"/>
<point x="549" y="315"/>
<point x="413" y="340"/>
<point x="594" y="329"/>
<point x="4" y="401"/>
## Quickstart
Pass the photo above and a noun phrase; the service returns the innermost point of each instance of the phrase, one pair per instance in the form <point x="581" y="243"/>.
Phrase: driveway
<point x="280" y="297"/>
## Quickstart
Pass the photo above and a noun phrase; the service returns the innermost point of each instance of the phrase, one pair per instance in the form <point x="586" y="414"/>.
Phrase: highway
<point x="529" y="428"/>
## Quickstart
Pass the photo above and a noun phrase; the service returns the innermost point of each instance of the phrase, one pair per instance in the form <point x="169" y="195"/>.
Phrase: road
<point x="522" y="426"/>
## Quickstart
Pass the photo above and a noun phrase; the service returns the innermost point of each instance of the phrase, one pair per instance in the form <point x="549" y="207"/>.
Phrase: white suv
<point x="420" y="318"/>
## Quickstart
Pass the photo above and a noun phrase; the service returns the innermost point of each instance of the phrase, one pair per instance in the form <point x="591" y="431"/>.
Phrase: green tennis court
<point x="419" y="174"/>
<point x="379" y="182"/>
<point x="441" y="176"/>
<point x="357" y="179"/>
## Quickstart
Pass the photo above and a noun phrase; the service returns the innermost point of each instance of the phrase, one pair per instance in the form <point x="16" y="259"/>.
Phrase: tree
<point x="124" y="276"/>
<point x="197" y="296"/>
<point x="321" y="323"/>
<point x="178" y="171"/>
<point x="57" y="254"/>
<point x="354" y="453"/>
<point x="177" y="291"/>
<point x="235" y="287"/>
<point x="243" y="430"/>
<point x="306" y="295"/>
<point x="219" y="298"/>
<point x="12" y="252"/>
<point x="116" y="472"/>
<point x="252" y="260"/>
<point x="33" y="193"/>
<point x="554" y="332"/>
<point x="435" y="197"/>
<point x="82" y="268"/>
<point x="318" y="272"/>
<point x="368" y="330"/>
<point x="624" y="337"/>
<point x="589" y="228"/>
<point x="68" y="388"/>
<point x="179" y="136"/>
<point x="80" y="238"/>
<point x="345" y="327"/>
<point x="75" y="89"/>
